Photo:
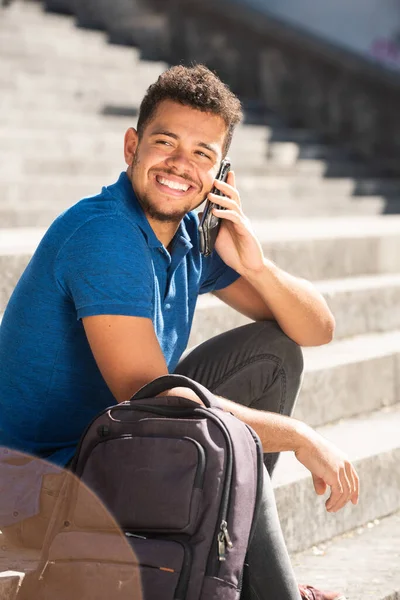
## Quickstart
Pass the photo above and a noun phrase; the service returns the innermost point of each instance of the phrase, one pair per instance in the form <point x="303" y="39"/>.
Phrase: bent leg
<point x="256" y="365"/>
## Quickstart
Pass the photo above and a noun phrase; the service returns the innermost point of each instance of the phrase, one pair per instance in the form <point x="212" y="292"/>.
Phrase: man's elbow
<point x="321" y="335"/>
<point x="327" y="331"/>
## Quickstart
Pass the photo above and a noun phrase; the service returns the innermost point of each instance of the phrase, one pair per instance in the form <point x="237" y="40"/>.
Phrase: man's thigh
<point x="256" y="365"/>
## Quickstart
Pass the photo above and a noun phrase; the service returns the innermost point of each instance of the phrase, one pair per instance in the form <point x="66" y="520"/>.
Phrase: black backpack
<point x="179" y="485"/>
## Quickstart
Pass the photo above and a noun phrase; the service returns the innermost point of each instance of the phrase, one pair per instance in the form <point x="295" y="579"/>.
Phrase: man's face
<point x="173" y="167"/>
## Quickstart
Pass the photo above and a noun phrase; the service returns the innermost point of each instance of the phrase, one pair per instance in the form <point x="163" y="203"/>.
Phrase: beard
<point x="156" y="214"/>
<point x="153" y="211"/>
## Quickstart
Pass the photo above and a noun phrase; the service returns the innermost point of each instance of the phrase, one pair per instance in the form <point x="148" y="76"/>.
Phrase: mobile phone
<point x="210" y="224"/>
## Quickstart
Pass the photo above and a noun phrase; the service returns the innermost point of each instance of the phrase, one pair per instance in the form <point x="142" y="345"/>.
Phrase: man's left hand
<point x="236" y="243"/>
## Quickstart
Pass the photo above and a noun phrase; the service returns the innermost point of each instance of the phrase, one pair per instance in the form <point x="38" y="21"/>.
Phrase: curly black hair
<point x="197" y="87"/>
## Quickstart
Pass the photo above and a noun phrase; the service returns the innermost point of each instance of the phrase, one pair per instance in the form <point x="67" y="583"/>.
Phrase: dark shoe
<point x="307" y="592"/>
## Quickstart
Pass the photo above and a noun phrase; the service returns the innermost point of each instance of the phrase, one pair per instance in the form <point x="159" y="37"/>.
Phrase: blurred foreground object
<point x="84" y="553"/>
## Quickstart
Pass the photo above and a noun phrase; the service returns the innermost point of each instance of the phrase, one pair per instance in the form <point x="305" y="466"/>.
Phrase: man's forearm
<point x="296" y="304"/>
<point x="276" y="432"/>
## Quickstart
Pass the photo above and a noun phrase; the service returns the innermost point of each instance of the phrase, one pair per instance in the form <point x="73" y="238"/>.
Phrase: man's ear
<point x="131" y="142"/>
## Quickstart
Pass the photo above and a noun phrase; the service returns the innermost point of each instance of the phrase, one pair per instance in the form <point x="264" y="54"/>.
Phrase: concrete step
<point x="363" y="367"/>
<point x="80" y="99"/>
<point x="36" y="76"/>
<point x="23" y="39"/>
<point x="73" y="53"/>
<point x="372" y="444"/>
<point x="42" y="121"/>
<point x="24" y="83"/>
<point x="304" y="187"/>
<point x="281" y="207"/>
<point x="32" y="12"/>
<point x="332" y="248"/>
<point x="288" y="152"/>
<point x="363" y="563"/>
<point x="361" y="305"/>
<point x="19" y="19"/>
<point x="104" y="58"/>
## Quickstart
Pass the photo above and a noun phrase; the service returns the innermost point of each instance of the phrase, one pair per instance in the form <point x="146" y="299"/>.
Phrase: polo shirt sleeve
<point x="216" y="275"/>
<point x="105" y="267"/>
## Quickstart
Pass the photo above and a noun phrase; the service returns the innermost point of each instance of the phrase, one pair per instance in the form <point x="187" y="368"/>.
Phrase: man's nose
<point x="180" y="160"/>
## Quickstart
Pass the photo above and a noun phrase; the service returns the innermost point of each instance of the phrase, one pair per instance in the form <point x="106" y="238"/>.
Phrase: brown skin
<point x="184" y="145"/>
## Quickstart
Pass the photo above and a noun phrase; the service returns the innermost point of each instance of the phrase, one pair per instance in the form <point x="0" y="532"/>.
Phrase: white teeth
<point x="173" y="184"/>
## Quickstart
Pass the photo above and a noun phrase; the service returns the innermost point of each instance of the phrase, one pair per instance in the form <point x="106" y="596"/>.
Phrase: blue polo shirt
<point x="99" y="257"/>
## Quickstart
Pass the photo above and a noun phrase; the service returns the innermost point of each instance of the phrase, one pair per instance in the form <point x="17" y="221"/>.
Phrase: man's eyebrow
<point x="207" y="147"/>
<point x="165" y="132"/>
<point x="176" y="137"/>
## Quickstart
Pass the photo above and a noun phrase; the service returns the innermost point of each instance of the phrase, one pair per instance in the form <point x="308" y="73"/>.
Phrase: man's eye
<point x="203" y="154"/>
<point x="162" y="142"/>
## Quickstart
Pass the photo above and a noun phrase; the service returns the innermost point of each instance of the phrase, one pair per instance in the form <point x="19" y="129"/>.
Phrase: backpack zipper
<point x="221" y="535"/>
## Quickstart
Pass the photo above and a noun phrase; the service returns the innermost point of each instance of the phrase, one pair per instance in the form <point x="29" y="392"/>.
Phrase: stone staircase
<point x="65" y="97"/>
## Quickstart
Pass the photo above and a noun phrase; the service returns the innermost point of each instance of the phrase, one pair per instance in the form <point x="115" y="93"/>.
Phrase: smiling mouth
<point x="173" y="185"/>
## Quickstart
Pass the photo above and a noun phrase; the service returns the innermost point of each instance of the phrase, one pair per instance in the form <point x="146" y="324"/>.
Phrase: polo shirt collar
<point x="126" y="193"/>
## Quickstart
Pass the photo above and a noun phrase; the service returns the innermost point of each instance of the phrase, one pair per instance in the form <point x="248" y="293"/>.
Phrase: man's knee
<point x="271" y="340"/>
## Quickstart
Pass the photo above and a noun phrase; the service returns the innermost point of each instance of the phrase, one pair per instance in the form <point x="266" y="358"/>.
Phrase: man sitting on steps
<point x="107" y="301"/>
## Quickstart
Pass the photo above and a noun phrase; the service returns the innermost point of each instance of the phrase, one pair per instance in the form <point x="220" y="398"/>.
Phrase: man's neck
<point x="163" y="231"/>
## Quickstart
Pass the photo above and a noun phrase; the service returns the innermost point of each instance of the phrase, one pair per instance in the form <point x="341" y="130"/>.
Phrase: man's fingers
<point x="228" y="215"/>
<point x="228" y="190"/>
<point x="347" y="485"/>
<point x="319" y="485"/>
<point x="355" y="493"/>
<point x="231" y="179"/>
<point x="224" y="201"/>
<point x="336" y="494"/>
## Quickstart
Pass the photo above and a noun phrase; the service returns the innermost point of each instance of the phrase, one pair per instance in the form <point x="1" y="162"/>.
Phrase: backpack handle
<point x="166" y="382"/>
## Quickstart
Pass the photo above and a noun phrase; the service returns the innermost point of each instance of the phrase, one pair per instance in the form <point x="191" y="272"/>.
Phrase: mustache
<point x="182" y="176"/>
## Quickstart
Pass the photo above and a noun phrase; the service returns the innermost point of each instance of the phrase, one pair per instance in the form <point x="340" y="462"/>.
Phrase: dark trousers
<point x="258" y="366"/>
